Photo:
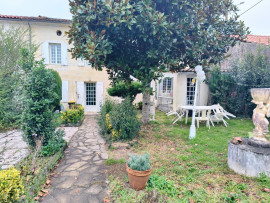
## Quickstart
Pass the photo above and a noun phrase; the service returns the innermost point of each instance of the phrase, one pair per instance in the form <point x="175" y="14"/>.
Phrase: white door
<point x="93" y="96"/>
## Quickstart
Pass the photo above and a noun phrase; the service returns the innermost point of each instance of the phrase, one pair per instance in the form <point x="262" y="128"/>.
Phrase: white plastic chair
<point x="178" y="115"/>
<point x="218" y="117"/>
<point x="204" y="115"/>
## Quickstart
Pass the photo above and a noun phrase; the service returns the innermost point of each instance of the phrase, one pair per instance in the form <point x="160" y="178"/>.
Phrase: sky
<point x="257" y="18"/>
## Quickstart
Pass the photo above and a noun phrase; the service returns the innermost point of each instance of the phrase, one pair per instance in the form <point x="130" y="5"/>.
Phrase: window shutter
<point x="64" y="91"/>
<point x="80" y="93"/>
<point x="64" y="54"/>
<point x="99" y="93"/>
<point x="80" y="62"/>
<point x="45" y="52"/>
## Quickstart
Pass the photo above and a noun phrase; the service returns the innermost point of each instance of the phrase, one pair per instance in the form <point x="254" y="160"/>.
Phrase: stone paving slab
<point x="80" y="176"/>
<point x="13" y="149"/>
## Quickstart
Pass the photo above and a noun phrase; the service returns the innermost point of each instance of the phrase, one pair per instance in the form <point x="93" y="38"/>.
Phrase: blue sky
<point x="258" y="18"/>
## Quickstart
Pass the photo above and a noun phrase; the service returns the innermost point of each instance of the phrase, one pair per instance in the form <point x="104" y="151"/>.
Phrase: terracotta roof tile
<point x="258" y="39"/>
<point x="39" y="18"/>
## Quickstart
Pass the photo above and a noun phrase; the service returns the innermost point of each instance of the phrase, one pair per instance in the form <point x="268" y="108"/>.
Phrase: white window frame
<point x="190" y="90"/>
<point x="58" y="58"/>
<point x="82" y="62"/>
<point x="165" y="85"/>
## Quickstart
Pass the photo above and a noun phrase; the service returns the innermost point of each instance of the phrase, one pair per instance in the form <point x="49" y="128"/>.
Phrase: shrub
<point x="104" y="118"/>
<point x="125" y="90"/>
<point x="139" y="162"/>
<point x="74" y="115"/>
<point x="124" y="122"/>
<point x="55" y="144"/>
<point x="10" y="185"/>
<point x="232" y="89"/>
<point x="57" y="89"/>
<point x="12" y="40"/>
<point x="39" y="96"/>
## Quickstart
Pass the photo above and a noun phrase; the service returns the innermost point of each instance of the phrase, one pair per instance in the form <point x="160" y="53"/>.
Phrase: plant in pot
<point x="139" y="170"/>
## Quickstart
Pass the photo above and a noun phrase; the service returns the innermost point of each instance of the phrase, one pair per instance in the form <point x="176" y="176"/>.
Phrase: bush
<point x="74" y="115"/>
<point x="10" y="185"/>
<point x="55" y="144"/>
<point x="104" y="118"/>
<point x="119" y="121"/>
<point x="125" y="90"/>
<point x="232" y="89"/>
<point x="57" y="89"/>
<point x="39" y="96"/>
<point x="12" y="40"/>
<point x="139" y="162"/>
<point x="124" y="122"/>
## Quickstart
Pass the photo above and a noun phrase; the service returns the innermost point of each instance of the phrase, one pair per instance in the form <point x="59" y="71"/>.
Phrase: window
<point x="190" y="91"/>
<point x="91" y="94"/>
<point x="55" y="53"/>
<point x="167" y="85"/>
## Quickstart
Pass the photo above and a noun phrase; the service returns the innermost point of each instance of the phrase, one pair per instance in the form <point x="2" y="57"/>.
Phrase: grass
<point x="114" y="161"/>
<point x="198" y="167"/>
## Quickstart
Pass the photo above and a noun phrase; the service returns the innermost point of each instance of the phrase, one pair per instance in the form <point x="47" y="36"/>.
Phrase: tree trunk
<point x="146" y="107"/>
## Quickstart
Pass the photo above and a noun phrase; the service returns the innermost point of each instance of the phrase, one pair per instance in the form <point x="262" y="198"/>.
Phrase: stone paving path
<point x="13" y="149"/>
<point x="80" y="176"/>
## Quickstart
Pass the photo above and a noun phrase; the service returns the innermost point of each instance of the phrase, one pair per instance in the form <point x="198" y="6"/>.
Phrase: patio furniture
<point x="179" y="114"/>
<point x="196" y="108"/>
<point x="218" y="117"/>
<point x="204" y="115"/>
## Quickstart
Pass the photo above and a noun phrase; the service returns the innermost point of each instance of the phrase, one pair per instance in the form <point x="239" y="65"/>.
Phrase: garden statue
<point x="261" y="97"/>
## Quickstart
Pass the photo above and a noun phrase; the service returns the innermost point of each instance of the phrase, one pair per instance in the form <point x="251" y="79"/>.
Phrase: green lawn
<point x="197" y="169"/>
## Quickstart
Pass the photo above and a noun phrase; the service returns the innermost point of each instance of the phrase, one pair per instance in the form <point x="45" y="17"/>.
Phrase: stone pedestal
<point x="250" y="158"/>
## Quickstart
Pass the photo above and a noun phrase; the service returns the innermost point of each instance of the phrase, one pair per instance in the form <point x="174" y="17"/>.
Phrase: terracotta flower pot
<point x="138" y="179"/>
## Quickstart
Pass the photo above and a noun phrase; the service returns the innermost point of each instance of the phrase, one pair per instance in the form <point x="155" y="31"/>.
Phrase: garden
<point x="30" y="99"/>
<point x="185" y="170"/>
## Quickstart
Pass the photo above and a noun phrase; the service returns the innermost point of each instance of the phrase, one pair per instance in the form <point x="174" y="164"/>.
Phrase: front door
<point x="91" y="97"/>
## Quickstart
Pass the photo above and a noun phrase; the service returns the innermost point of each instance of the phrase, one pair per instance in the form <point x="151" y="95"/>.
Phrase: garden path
<point x="81" y="176"/>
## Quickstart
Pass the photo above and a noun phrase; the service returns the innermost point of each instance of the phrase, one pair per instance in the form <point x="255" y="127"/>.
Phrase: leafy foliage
<point x="232" y="89"/>
<point x="139" y="162"/>
<point x="10" y="185"/>
<point x="74" y="115"/>
<point x="39" y="96"/>
<point x="104" y="117"/>
<point x="162" y="185"/>
<point x="144" y="38"/>
<point x="12" y="40"/>
<point x="57" y="89"/>
<point x="124" y="122"/>
<point x="55" y="144"/>
<point x="124" y="90"/>
<point x="118" y="121"/>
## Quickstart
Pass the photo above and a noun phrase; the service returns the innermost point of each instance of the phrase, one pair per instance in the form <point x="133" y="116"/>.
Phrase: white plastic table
<point x="197" y="108"/>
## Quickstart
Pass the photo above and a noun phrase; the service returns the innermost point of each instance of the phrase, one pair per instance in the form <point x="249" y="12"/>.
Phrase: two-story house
<point x="85" y="85"/>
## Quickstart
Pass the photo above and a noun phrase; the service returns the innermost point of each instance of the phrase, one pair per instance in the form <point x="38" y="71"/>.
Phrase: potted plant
<point x="139" y="170"/>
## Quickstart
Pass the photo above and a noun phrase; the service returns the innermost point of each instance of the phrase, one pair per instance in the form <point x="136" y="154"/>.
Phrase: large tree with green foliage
<point x="12" y="40"/>
<point x="144" y="38"/>
<point x="252" y="71"/>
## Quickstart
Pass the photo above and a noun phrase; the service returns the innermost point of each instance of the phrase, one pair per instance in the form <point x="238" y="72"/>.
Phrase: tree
<point x="144" y="38"/>
<point x="39" y="95"/>
<point x="253" y="71"/>
<point x="12" y="40"/>
<point x="57" y="89"/>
